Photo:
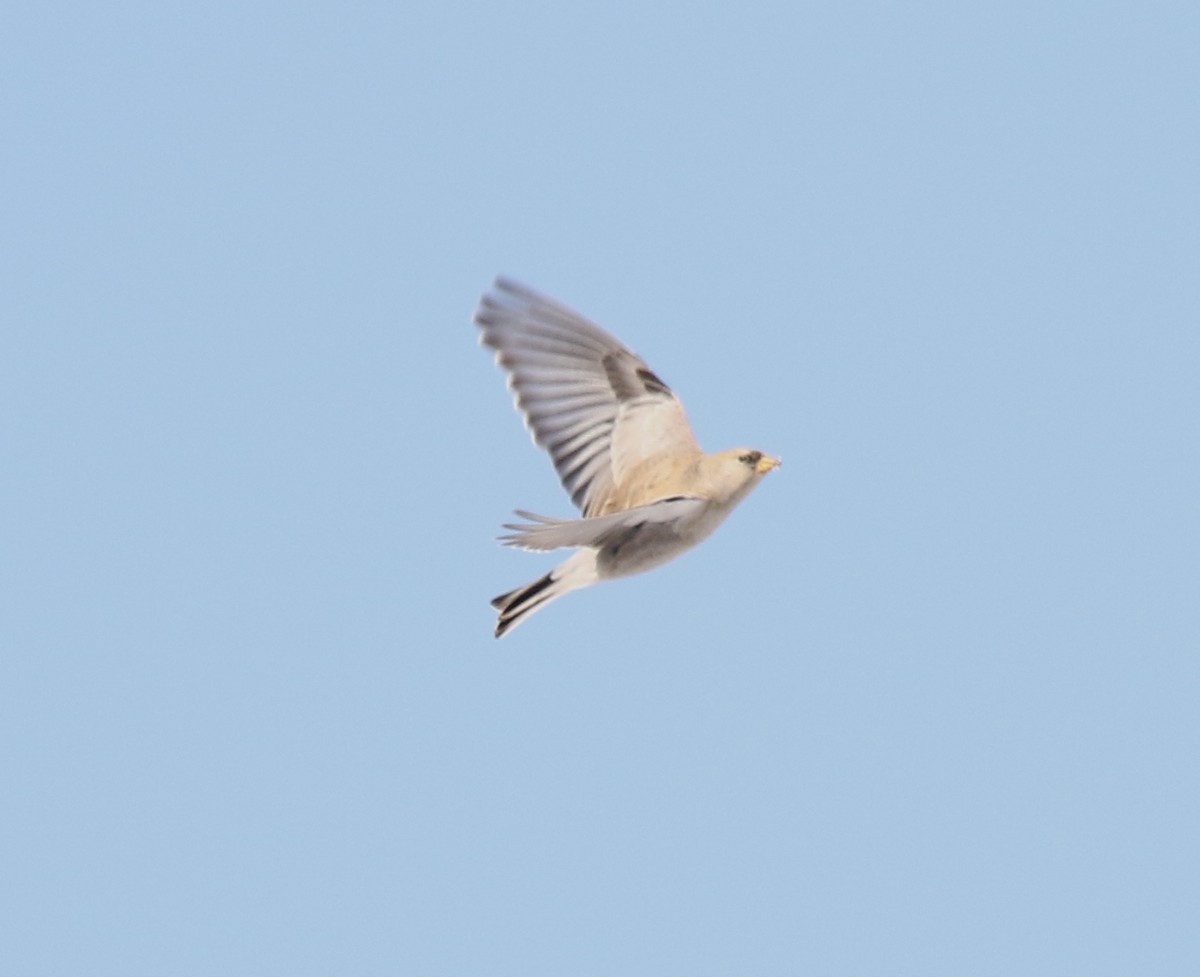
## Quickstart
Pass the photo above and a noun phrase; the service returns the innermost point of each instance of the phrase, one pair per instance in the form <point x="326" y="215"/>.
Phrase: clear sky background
<point x="926" y="704"/>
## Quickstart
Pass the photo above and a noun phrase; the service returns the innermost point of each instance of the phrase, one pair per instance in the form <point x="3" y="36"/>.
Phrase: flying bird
<point x="620" y="442"/>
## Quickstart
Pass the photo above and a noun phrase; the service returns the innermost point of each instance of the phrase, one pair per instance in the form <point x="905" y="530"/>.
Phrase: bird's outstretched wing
<point x="544" y="533"/>
<point x="593" y="404"/>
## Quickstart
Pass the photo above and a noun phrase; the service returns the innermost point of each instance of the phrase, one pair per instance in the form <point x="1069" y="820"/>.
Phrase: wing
<point x="543" y="533"/>
<point x="595" y="406"/>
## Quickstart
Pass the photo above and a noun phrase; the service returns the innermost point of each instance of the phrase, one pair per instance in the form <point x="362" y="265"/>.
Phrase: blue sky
<point x="925" y="704"/>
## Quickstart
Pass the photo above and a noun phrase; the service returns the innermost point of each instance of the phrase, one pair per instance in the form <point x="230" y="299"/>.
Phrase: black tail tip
<point x="514" y="605"/>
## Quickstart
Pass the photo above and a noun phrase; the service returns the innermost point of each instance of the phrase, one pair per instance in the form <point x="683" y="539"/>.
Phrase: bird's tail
<point x="516" y="605"/>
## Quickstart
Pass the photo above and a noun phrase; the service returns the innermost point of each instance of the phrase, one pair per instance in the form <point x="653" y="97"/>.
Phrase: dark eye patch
<point x="751" y="457"/>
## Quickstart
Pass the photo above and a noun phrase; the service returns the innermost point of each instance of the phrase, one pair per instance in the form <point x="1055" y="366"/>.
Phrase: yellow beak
<point x="766" y="463"/>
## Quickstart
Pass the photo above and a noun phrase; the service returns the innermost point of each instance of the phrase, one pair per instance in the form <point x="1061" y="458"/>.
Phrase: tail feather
<point x="516" y="605"/>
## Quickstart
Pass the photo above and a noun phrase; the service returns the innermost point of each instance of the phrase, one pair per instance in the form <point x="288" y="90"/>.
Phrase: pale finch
<point x="621" y="444"/>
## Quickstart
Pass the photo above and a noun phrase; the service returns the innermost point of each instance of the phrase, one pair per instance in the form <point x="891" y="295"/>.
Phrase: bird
<point x="620" y="442"/>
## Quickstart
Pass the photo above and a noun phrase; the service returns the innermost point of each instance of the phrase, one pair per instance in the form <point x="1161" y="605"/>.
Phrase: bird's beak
<point x="766" y="463"/>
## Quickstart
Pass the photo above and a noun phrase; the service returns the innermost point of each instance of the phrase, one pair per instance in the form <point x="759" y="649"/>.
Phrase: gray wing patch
<point x="631" y="379"/>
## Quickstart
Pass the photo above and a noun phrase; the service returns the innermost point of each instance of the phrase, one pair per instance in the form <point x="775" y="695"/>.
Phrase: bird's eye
<point x="750" y="457"/>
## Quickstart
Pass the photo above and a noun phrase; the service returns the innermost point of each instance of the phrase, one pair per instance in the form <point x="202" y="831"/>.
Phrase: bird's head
<point x="732" y="474"/>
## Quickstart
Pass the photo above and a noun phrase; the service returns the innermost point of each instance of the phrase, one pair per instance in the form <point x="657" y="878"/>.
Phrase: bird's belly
<point x="649" y="545"/>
